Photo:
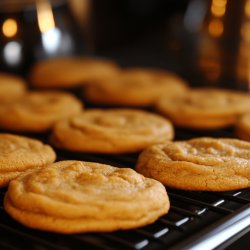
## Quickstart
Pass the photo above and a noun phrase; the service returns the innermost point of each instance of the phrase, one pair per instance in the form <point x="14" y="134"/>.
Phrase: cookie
<point x="201" y="164"/>
<point x="11" y="87"/>
<point x="70" y="72"/>
<point x="242" y="127"/>
<point x="204" y="108"/>
<point x="111" y="131"/>
<point x="134" y="87"/>
<point x="19" y="153"/>
<point x="73" y="197"/>
<point x="38" y="111"/>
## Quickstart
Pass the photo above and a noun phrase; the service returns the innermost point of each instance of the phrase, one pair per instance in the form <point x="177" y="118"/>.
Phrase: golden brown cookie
<point x="204" y="108"/>
<point x="70" y="72"/>
<point x="11" y="87"/>
<point x="111" y="131"/>
<point x="18" y="154"/>
<point x="74" y="196"/>
<point x="204" y="164"/>
<point x="134" y="87"/>
<point x="242" y="127"/>
<point x="38" y="111"/>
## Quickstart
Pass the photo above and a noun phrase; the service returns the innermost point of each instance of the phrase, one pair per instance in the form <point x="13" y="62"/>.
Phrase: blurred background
<point x="205" y="41"/>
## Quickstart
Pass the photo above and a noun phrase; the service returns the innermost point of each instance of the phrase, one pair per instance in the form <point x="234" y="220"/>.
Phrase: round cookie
<point x="111" y="131"/>
<point x="204" y="108"/>
<point x="134" y="87"/>
<point x="38" y="111"/>
<point x="74" y="196"/>
<point x="11" y="87"/>
<point x="201" y="164"/>
<point x="242" y="127"/>
<point x="18" y="154"/>
<point x="70" y="72"/>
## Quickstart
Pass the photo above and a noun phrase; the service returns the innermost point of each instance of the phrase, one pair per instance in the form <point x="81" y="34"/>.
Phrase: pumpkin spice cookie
<point x="74" y="196"/>
<point x="70" y="72"/>
<point x="201" y="164"/>
<point x="134" y="87"/>
<point x="18" y="154"/>
<point x="204" y="108"/>
<point x="11" y="87"/>
<point x="111" y="131"/>
<point x="38" y="111"/>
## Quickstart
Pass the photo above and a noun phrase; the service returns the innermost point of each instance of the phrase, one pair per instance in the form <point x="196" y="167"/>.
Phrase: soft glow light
<point x="45" y="15"/>
<point x="51" y="35"/>
<point x="9" y="27"/>
<point x="12" y="53"/>
<point x="247" y="8"/>
<point x="218" y="7"/>
<point x="220" y="3"/>
<point x="216" y="27"/>
<point x="51" y="40"/>
<point x="245" y="31"/>
<point x="218" y="11"/>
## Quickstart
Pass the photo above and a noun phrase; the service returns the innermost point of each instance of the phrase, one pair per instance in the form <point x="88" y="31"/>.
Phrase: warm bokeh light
<point x="245" y="31"/>
<point x="220" y="3"/>
<point x="218" y="7"/>
<point x="216" y="27"/>
<point x="9" y="27"/>
<point x="218" y="11"/>
<point x="247" y="8"/>
<point x="45" y="16"/>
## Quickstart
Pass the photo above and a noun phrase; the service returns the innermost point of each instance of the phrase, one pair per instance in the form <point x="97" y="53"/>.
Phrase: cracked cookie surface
<point x="19" y="153"/>
<point x="38" y="111"/>
<point x="70" y="72"/>
<point x="111" y="131"/>
<point x="205" y="164"/>
<point x="204" y="108"/>
<point x="136" y="87"/>
<point x="74" y="196"/>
